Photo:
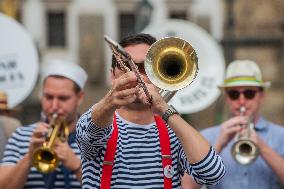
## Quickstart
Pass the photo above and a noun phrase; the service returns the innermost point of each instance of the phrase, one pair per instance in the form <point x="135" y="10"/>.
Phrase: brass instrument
<point x="244" y="150"/>
<point x="170" y="64"/>
<point x="45" y="159"/>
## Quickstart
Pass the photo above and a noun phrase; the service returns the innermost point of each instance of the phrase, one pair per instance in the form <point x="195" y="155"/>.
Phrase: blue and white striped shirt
<point x="257" y="175"/>
<point x="18" y="146"/>
<point x="138" y="162"/>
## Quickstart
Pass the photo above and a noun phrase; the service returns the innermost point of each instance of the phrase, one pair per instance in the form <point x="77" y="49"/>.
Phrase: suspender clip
<point x="167" y="156"/>
<point x="108" y="163"/>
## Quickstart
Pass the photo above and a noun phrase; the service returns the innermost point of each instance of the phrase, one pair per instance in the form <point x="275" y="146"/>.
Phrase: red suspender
<point x="109" y="157"/>
<point x="165" y="151"/>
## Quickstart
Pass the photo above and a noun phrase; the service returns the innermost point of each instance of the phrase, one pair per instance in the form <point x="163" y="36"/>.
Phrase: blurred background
<point x="74" y="30"/>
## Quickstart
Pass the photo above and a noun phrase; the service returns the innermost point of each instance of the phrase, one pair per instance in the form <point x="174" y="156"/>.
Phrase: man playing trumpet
<point x="62" y="93"/>
<point x="258" y="162"/>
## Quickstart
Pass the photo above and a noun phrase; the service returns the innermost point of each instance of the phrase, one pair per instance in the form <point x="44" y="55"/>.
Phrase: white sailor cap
<point x="70" y="70"/>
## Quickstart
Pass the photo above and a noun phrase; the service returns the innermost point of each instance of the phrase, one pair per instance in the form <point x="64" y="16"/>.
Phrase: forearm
<point x="194" y="144"/>
<point x="76" y="169"/>
<point x="78" y="174"/>
<point x="14" y="177"/>
<point x="218" y="147"/>
<point x="187" y="182"/>
<point x="273" y="160"/>
<point x="102" y="113"/>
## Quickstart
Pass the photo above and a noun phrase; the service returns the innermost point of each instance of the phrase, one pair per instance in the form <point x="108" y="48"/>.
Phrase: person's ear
<point x="80" y="95"/>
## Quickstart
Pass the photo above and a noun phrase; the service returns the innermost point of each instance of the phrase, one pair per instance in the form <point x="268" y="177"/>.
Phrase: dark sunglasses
<point x="248" y="94"/>
<point x="140" y="67"/>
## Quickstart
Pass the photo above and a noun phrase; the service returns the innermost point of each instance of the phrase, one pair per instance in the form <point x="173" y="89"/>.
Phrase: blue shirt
<point x="138" y="161"/>
<point x="257" y="175"/>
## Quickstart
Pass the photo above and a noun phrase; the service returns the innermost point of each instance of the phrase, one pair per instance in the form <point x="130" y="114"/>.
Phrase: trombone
<point x="45" y="159"/>
<point x="244" y="150"/>
<point x="171" y="64"/>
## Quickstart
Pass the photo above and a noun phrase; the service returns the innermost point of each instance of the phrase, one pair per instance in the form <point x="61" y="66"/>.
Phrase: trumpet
<point x="45" y="159"/>
<point x="244" y="150"/>
<point x="171" y="64"/>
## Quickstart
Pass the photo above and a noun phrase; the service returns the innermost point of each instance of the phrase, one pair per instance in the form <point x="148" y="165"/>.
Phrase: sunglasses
<point x="248" y="94"/>
<point x="140" y="67"/>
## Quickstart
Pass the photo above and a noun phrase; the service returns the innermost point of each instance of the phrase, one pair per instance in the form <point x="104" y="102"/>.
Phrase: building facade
<point x="74" y="30"/>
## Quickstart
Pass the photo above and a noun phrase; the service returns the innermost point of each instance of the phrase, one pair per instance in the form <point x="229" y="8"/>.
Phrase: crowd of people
<point x="126" y="140"/>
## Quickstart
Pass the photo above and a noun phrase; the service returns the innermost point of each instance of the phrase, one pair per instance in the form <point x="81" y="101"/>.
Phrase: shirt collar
<point x="261" y="124"/>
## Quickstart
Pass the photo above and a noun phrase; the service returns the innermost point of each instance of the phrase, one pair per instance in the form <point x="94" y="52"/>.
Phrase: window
<point x="56" y="29"/>
<point x="178" y="15"/>
<point x="126" y="24"/>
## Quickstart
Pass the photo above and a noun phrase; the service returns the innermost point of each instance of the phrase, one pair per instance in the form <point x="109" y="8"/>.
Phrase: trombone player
<point x="62" y="93"/>
<point x="260" y="164"/>
<point x="125" y="143"/>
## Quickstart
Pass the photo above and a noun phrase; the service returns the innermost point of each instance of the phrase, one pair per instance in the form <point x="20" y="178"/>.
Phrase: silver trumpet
<point x="244" y="150"/>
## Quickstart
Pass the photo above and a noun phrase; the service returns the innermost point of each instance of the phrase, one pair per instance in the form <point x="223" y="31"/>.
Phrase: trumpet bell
<point x="245" y="151"/>
<point x="45" y="160"/>
<point x="171" y="63"/>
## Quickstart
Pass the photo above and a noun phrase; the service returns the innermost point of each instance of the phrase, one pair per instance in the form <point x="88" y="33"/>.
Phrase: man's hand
<point x="66" y="155"/>
<point x="229" y="129"/>
<point x="38" y="137"/>
<point x="124" y="90"/>
<point x="158" y="104"/>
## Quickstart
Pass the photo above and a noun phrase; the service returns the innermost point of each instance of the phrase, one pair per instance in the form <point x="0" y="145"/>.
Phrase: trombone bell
<point x="171" y="63"/>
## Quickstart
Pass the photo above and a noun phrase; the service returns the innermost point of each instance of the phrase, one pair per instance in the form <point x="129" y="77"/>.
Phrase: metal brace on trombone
<point x="122" y="57"/>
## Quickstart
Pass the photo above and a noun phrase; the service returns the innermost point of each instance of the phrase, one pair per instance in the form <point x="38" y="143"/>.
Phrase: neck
<point x="256" y="118"/>
<point x="72" y="125"/>
<point x="142" y="116"/>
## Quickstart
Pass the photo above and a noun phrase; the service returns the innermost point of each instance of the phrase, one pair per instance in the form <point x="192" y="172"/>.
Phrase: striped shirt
<point x="17" y="147"/>
<point x="138" y="161"/>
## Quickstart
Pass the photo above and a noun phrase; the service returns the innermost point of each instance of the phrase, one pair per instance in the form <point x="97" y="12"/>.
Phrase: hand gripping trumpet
<point x="170" y="64"/>
<point x="244" y="150"/>
<point x="45" y="159"/>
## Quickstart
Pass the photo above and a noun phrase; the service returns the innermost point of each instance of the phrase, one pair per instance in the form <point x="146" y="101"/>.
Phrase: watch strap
<point x="169" y="112"/>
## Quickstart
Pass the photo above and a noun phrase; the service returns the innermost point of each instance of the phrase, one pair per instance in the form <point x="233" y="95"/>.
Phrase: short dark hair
<point x="135" y="39"/>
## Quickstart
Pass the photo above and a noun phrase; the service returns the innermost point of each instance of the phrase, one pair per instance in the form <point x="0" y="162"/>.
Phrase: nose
<point x="54" y="105"/>
<point x="242" y="99"/>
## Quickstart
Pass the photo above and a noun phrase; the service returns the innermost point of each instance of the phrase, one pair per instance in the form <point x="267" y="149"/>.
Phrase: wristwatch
<point x="169" y="112"/>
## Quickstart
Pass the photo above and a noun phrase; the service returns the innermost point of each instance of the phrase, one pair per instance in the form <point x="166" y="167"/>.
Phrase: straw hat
<point x="244" y="73"/>
<point x="3" y="101"/>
